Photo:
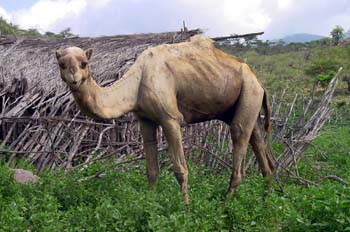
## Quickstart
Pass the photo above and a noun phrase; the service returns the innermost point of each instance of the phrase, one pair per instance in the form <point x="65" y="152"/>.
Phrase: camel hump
<point x="246" y="71"/>
<point x="202" y="41"/>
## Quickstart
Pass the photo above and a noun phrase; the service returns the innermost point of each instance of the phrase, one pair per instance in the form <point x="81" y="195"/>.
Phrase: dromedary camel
<point x="171" y="86"/>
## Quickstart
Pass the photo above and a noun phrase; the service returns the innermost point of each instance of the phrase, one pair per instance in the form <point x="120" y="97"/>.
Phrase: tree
<point x="337" y="34"/>
<point x="67" y="33"/>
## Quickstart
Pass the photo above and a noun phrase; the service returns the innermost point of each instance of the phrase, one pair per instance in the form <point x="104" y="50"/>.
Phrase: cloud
<point x="228" y="16"/>
<point x="4" y="14"/>
<point x="284" y="4"/>
<point x="141" y="16"/>
<point x="109" y="17"/>
<point x="45" y="14"/>
<point x="312" y="16"/>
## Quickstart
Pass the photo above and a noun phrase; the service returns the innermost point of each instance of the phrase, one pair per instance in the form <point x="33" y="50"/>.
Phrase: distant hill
<point x="301" y="38"/>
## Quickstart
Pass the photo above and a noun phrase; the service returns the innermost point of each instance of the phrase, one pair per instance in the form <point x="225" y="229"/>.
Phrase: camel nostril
<point x="72" y="70"/>
<point x="74" y="82"/>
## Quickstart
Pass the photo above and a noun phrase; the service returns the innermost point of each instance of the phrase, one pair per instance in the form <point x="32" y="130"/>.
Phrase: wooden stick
<point x="236" y="36"/>
<point x="336" y="178"/>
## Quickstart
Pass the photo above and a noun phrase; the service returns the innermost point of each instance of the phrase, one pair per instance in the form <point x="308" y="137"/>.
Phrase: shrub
<point x="323" y="70"/>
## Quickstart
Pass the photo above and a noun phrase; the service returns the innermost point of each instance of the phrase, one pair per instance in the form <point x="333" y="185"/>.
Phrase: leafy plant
<point x="323" y="70"/>
<point x="324" y="79"/>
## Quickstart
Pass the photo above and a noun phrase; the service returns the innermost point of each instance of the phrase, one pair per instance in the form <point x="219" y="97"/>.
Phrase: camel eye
<point x="83" y="64"/>
<point x="62" y="65"/>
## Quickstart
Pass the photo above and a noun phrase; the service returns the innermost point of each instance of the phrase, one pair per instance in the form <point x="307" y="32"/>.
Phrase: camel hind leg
<point x="244" y="120"/>
<point x="264" y="157"/>
<point x="260" y="148"/>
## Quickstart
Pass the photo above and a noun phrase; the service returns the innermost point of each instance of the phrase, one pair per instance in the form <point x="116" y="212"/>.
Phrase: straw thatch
<point x="33" y="58"/>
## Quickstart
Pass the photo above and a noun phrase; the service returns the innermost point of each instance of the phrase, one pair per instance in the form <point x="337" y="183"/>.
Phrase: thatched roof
<point x="32" y="59"/>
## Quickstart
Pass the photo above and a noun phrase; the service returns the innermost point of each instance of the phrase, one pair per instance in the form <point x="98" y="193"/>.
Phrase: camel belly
<point x="202" y="104"/>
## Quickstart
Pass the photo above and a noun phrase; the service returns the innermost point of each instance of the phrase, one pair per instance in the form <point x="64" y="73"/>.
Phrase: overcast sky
<point x="219" y="17"/>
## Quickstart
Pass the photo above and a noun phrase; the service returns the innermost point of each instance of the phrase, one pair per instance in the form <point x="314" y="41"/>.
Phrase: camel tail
<point x="267" y="124"/>
<point x="267" y="109"/>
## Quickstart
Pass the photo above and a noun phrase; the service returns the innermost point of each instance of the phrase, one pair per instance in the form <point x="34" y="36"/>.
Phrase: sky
<point x="277" y="18"/>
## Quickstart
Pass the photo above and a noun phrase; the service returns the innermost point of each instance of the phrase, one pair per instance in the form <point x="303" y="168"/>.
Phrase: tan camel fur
<point x="171" y="86"/>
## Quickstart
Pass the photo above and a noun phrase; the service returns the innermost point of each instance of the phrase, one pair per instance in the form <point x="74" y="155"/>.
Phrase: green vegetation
<point x="324" y="70"/>
<point x="7" y="28"/>
<point x="122" y="201"/>
<point x="10" y="29"/>
<point x="297" y="71"/>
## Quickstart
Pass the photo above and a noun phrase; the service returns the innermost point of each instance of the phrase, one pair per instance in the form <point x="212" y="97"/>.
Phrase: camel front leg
<point x="149" y="135"/>
<point x="172" y="131"/>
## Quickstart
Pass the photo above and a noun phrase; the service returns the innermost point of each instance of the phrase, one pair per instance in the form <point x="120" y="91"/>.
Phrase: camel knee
<point x="181" y="177"/>
<point x="236" y="131"/>
<point x="264" y="165"/>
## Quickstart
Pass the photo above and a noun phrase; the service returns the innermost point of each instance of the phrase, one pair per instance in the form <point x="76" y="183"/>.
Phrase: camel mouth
<point x="75" y="86"/>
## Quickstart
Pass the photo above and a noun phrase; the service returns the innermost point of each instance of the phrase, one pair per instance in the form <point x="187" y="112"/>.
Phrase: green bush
<point x="324" y="79"/>
<point x="322" y="67"/>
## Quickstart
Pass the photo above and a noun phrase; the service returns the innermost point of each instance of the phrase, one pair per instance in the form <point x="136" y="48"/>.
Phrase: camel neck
<point x="112" y="101"/>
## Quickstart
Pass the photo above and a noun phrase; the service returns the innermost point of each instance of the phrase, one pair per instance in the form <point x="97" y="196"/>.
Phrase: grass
<point x="122" y="201"/>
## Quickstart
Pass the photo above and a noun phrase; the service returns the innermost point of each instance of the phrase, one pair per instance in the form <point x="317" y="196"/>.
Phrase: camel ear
<point x="58" y="54"/>
<point x="88" y="53"/>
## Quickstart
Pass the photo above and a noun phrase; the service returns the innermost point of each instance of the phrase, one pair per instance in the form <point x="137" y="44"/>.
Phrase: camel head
<point x="74" y="66"/>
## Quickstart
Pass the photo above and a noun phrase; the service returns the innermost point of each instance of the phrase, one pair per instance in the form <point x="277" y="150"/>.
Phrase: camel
<point x="172" y="86"/>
